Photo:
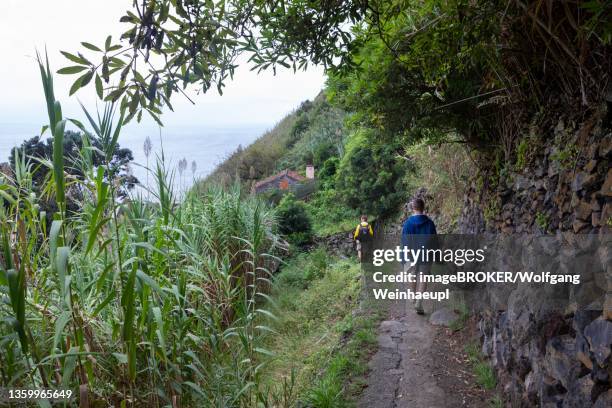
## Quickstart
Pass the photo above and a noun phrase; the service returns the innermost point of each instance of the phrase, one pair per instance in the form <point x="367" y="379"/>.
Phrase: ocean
<point x="204" y="146"/>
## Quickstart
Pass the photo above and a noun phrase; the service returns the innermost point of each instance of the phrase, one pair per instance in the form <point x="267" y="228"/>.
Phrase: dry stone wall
<point x="565" y="185"/>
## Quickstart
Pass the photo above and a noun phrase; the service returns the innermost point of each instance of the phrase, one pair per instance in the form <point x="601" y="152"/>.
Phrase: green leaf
<point x="99" y="89"/>
<point x="17" y="295"/>
<point x="156" y="118"/>
<point x="263" y="351"/>
<point x="107" y="43"/>
<point x="90" y="46"/>
<point x="194" y="387"/>
<point x="134" y="102"/>
<point x="104" y="303"/>
<point x="76" y="85"/>
<point x="54" y="238"/>
<point x="81" y="82"/>
<point x="94" y="233"/>
<point x="86" y="78"/>
<point x="115" y="95"/>
<point x="121" y="358"/>
<point x="267" y="313"/>
<point x="146" y="279"/>
<point x="58" y="161"/>
<point x="70" y="363"/>
<point x="60" y="324"/>
<point x="61" y="266"/>
<point x="74" y="58"/>
<point x="71" y="70"/>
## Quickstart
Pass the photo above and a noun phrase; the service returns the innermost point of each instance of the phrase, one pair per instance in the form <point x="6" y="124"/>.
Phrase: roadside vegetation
<point x="168" y="301"/>
<point x="131" y="302"/>
<point x="321" y="342"/>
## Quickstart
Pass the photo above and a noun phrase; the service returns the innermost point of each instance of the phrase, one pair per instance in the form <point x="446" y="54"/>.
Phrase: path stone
<point x="400" y="371"/>
<point x="443" y="317"/>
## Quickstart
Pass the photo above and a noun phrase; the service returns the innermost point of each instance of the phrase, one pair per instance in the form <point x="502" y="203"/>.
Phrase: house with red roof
<point x="279" y="181"/>
<point x="283" y="180"/>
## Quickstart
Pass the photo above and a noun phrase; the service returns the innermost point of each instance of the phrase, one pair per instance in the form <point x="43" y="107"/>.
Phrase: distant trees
<point x="39" y="151"/>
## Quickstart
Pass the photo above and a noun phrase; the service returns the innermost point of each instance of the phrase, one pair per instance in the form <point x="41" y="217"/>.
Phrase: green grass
<point x="496" y="402"/>
<point x="473" y="351"/>
<point x="522" y="151"/>
<point x="348" y="363"/>
<point x="542" y="220"/>
<point x="325" y="229"/>
<point x="461" y="320"/>
<point x="567" y="156"/>
<point x="318" y="340"/>
<point x="485" y="374"/>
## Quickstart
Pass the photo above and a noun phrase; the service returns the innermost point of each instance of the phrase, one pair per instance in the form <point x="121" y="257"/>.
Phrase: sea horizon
<point x="207" y="146"/>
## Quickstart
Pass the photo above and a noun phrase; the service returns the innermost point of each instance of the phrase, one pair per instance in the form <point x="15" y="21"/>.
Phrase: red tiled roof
<point x="285" y="173"/>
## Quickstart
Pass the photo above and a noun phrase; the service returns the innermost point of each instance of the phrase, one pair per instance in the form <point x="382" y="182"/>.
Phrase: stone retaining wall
<point x="544" y="359"/>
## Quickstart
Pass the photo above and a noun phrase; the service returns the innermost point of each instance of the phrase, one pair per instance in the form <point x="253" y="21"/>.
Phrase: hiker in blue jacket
<point x="419" y="232"/>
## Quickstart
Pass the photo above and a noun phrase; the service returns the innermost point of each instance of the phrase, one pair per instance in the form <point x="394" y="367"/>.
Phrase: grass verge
<point x="320" y="344"/>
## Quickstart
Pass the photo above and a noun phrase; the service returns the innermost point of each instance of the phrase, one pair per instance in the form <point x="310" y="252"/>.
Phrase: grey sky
<point x="63" y="24"/>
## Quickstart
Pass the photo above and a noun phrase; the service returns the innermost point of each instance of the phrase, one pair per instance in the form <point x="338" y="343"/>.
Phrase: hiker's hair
<point x="364" y="217"/>
<point x="418" y="205"/>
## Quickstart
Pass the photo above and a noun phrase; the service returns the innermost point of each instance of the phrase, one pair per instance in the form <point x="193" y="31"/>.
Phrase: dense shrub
<point x="304" y="268"/>
<point x="370" y="175"/>
<point x="328" y="171"/>
<point x="483" y="71"/>
<point x="324" y="151"/>
<point x="293" y="220"/>
<point x="329" y="214"/>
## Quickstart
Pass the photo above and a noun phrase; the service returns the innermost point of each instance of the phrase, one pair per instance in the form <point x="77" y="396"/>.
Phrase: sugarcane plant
<point x="130" y="302"/>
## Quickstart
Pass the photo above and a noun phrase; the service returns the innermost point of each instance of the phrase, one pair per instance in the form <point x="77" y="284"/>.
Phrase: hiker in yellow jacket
<point x="363" y="237"/>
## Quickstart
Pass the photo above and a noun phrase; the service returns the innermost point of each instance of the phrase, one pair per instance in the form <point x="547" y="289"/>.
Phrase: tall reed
<point x="135" y="302"/>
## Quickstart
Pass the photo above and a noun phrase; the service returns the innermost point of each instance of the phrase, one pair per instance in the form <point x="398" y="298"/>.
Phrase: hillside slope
<point x="309" y="135"/>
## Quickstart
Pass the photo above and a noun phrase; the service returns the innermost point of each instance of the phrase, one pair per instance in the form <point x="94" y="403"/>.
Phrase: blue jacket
<point x="417" y="225"/>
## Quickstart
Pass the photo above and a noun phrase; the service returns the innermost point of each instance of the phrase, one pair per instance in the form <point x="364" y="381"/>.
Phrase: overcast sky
<point x="62" y="24"/>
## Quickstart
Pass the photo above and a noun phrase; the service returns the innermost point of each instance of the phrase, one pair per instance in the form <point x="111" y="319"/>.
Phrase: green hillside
<point x="311" y="134"/>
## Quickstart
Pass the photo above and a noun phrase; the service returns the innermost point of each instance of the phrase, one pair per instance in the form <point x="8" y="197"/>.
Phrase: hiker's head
<point x="418" y="206"/>
<point x="364" y="218"/>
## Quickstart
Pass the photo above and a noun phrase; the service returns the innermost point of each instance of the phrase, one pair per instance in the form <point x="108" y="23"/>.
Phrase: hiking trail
<point x="401" y="372"/>
<point x="419" y="365"/>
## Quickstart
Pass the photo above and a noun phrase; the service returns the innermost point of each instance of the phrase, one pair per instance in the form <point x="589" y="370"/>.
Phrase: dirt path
<point x="418" y="365"/>
<point x="400" y="371"/>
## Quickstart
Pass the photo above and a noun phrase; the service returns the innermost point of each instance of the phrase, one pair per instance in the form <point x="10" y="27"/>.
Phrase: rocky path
<point x="401" y="372"/>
